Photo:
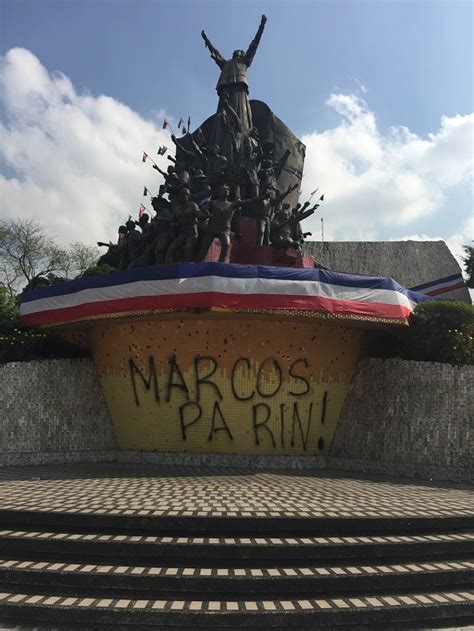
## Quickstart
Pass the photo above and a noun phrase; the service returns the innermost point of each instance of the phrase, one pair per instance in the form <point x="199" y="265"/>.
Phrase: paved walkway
<point x="148" y="490"/>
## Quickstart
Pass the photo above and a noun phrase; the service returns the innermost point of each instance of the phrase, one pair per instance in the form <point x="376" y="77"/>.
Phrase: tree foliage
<point x="469" y="265"/>
<point x="29" y="257"/>
<point x="441" y="331"/>
<point x="9" y="311"/>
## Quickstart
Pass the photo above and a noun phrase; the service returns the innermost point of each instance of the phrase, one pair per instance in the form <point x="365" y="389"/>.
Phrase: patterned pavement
<point x="148" y="490"/>
<point x="225" y="606"/>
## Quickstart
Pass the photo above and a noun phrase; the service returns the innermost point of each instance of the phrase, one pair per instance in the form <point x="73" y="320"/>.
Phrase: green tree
<point x="441" y="331"/>
<point x="469" y="265"/>
<point x="29" y="257"/>
<point x="8" y="308"/>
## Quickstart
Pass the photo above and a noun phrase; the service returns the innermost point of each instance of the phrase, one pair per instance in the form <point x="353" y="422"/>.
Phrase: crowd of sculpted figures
<point x="212" y="182"/>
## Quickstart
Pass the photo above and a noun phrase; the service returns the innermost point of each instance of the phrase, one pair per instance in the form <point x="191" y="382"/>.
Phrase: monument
<point x="217" y="334"/>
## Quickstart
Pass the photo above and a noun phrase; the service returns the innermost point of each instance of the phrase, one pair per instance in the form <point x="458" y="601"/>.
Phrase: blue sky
<point x="414" y="58"/>
<point x="404" y="65"/>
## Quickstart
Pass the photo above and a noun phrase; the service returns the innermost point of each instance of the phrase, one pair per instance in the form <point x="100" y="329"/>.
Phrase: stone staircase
<point x="88" y="571"/>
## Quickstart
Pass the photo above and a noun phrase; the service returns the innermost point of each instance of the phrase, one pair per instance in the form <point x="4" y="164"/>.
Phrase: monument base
<point x="223" y="358"/>
<point x="244" y="249"/>
<point x="246" y="385"/>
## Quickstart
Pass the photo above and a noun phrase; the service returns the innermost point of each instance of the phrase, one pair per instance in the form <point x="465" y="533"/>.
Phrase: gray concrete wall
<point x="54" y="411"/>
<point x="410" y="263"/>
<point x="402" y="418"/>
<point x="408" y="418"/>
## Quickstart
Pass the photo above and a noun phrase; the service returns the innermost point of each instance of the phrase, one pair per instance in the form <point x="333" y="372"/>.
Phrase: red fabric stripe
<point x="215" y="299"/>
<point x="442" y="290"/>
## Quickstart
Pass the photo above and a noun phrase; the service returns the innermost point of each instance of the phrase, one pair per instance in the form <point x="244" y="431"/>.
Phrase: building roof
<point x="410" y="263"/>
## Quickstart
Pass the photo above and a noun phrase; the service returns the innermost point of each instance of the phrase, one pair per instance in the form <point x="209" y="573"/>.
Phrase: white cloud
<point x="78" y="157"/>
<point x="77" y="161"/>
<point x="374" y="182"/>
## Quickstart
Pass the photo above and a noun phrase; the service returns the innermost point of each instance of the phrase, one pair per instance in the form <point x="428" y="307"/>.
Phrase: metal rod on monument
<point x="322" y="229"/>
<point x="167" y="124"/>
<point x="146" y="157"/>
<point x="142" y="210"/>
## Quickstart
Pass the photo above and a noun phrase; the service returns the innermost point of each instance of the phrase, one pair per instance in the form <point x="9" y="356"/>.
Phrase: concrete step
<point x="193" y="523"/>
<point x="368" y="609"/>
<point x="117" y="545"/>
<point x="198" y="582"/>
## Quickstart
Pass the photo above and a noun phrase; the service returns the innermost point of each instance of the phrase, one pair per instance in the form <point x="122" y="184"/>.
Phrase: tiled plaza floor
<point x="148" y="490"/>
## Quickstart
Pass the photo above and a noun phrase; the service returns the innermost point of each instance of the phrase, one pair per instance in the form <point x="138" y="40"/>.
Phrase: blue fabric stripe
<point x="419" y="298"/>
<point x="228" y="270"/>
<point x="433" y="283"/>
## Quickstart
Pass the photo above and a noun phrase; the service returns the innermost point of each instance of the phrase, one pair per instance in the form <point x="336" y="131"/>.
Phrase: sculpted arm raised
<point x="215" y="54"/>
<point x="252" y="49"/>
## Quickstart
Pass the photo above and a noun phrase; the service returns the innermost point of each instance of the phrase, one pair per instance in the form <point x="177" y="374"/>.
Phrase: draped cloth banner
<point x="441" y="285"/>
<point x="220" y="287"/>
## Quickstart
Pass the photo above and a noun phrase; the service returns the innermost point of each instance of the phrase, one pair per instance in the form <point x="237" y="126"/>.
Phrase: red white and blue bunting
<point x="220" y="287"/>
<point x="441" y="285"/>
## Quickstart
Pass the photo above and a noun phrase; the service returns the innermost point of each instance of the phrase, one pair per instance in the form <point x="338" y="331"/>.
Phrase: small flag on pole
<point x="189" y="122"/>
<point x="141" y="212"/>
<point x="181" y="122"/>
<point x="321" y="199"/>
<point x="165" y="124"/>
<point x="145" y="156"/>
<point x="162" y="150"/>
<point x="315" y="190"/>
<point x="145" y="192"/>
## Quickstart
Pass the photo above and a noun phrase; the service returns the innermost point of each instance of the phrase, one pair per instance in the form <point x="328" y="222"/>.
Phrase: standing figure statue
<point x="264" y="211"/>
<point x="251" y="159"/>
<point x="220" y="211"/>
<point x="163" y="227"/>
<point x="233" y="83"/>
<point x="185" y="213"/>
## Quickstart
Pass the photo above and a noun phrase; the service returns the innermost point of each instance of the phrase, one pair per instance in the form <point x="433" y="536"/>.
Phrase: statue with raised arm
<point x="233" y="77"/>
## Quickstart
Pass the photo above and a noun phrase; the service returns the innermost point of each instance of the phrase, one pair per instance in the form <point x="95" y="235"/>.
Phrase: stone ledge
<point x="414" y="470"/>
<point x="435" y="472"/>
<point x="55" y="457"/>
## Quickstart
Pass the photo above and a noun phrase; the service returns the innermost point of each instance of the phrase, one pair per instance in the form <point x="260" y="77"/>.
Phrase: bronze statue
<point x="216" y="165"/>
<point x="286" y="227"/>
<point x="185" y="212"/>
<point x="220" y="212"/>
<point x="233" y="77"/>
<point x="136" y="244"/>
<point x="251" y="159"/>
<point x="264" y="210"/>
<point x="281" y="229"/>
<point x="163" y="228"/>
<point x="236" y="162"/>
<point x="233" y="83"/>
<point x="115" y="250"/>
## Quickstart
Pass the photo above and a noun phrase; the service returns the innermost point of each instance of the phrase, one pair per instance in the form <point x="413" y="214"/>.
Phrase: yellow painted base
<point x="245" y="385"/>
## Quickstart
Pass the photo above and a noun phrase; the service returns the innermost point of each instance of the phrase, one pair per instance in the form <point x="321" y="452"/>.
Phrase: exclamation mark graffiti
<point x="323" y="418"/>
<point x="323" y="411"/>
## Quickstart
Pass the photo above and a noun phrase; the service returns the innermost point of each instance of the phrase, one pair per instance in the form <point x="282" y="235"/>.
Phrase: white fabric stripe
<point x="219" y="284"/>
<point x="440" y="286"/>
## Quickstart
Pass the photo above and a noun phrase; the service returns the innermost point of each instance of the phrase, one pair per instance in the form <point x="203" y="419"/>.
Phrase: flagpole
<point x="148" y="156"/>
<point x="168" y="125"/>
<point x="322" y="229"/>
